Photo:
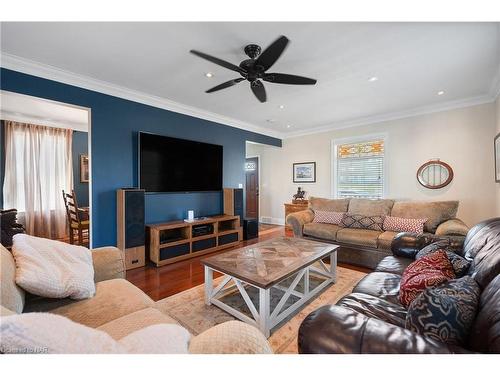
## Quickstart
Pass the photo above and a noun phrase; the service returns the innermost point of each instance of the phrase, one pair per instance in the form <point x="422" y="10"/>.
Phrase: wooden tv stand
<point x="174" y="241"/>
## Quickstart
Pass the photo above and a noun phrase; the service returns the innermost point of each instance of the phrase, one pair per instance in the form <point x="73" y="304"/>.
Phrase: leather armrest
<point x="108" y="263"/>
<point x="339" y="330"/>
<point x="453" y="227"/>
<point x="298" y="219"/>
<point x="407" y="245"/>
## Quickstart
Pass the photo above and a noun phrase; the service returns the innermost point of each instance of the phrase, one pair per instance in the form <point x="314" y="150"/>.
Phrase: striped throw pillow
<point x="399" y="224"/>
<point x="329" y="217"/>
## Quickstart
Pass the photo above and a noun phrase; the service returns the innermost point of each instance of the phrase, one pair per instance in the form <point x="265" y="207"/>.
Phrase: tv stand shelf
<point x="174" y="241"/>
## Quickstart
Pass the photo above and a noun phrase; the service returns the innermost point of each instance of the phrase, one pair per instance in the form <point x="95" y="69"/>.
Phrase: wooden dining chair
<point x="75" y="222"/>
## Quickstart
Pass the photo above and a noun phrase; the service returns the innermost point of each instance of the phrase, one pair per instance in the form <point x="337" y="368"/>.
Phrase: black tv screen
<point x="177" y="165"/>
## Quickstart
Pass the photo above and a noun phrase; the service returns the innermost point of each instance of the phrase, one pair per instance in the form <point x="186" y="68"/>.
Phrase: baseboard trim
<point x="272" y="220"/>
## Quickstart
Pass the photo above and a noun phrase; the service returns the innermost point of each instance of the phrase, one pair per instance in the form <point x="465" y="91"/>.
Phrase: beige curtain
<point x="38" y="166"/>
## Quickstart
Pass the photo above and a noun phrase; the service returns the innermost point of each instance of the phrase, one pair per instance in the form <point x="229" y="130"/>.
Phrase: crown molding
<point x="453" y="104"/>
<point x="27" y="66"/>
<point x="34" y="68"/>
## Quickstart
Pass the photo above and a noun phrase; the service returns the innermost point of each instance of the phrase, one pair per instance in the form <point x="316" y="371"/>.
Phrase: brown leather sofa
<point x="371" y="319"/>
<point x="363" y="247"/>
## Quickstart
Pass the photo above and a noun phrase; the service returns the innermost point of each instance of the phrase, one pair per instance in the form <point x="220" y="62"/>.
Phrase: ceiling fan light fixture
<point x="281" y="106"/>
<point x="373" y="79"/>
<point x="440" y="92"/>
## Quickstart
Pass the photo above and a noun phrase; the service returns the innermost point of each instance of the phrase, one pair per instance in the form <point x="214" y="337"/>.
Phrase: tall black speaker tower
<point x="130" y="226"/>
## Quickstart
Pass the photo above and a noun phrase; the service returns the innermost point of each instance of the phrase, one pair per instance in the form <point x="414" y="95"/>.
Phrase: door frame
<point x="258" y="176"/>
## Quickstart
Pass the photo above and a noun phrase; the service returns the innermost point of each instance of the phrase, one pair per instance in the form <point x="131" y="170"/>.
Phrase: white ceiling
<point x="32" y="110"/>
<point x="151" y="62"/>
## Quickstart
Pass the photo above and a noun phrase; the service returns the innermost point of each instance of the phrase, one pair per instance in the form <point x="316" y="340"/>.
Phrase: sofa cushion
<point x="370" y="207"/>
<point x="52" y="268"/>
<point x="321" y="230"/>
<point x="113" y="299"/>
<point x="328" y="217"/>
<point x="384" y="241"/>
<point x="375" y="307"/>
<point x="135" y="321"/>
<point x="384" y="285"/>
<point x="158" y="339"/>
<point x="460" y="264"/>
<point x="362" y="237"/>
<point x="393" y="264"/>
<point x="445" y="312"/>
<point x="428" y="271"/>
<point x="11" y="296"/>
<point x="434" y="212"/>
<point x="323" y="204"/>
<point x="362" y="222"/>
<point x="400" y="224"/>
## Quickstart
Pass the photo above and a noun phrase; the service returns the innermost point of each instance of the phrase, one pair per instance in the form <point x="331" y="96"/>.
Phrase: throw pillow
<point x="445" y="312"/>
<point x="362" y="222"/>
<point x="431" y="270"/>
<point x="460" y="264"/>
<point x="329" y="217"/>
<point x="34" y="333"/>
<point x="399" y="224"/>
<point x="53" y="269"/>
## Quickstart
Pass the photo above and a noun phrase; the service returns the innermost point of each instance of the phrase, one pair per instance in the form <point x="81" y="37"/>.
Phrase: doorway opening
<point x="45" y="168"/>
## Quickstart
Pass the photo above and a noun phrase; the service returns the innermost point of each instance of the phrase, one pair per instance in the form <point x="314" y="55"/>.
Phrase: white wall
<point x="498" y="132"/>
<point x="461" y="137"/>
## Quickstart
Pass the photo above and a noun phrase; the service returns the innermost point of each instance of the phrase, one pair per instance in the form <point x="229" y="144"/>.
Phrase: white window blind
<point x="360" y="169"/>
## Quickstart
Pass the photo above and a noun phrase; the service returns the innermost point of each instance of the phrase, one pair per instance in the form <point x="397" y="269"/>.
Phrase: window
<point x="359" y="168"/>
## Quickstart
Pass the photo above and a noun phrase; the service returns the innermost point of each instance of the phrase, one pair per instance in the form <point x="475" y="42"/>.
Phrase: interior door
<point x="252" y="187"/>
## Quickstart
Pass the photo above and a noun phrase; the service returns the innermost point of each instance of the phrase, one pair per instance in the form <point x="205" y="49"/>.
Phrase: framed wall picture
<point x="84" y="168"/>
<point x="304" y="172"/>
<point x="497" y="158"/>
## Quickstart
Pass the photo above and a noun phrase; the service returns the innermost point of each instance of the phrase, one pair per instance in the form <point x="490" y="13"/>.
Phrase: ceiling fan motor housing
<point x="252" y="50"/>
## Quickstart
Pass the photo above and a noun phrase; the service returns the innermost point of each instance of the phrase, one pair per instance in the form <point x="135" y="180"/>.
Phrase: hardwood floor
<point x="162" y="282"/>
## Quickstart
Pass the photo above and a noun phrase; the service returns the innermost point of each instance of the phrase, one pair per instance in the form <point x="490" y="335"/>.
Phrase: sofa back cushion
<point x="482" y="248"/>
<point x="370" y="207"/>
<point x="11" y="296"/>
<point x="323" y="204"/>
<point x="434" y="212"/>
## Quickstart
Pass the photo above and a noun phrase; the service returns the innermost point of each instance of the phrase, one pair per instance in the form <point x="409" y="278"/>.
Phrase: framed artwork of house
<point x="304" y="172"/>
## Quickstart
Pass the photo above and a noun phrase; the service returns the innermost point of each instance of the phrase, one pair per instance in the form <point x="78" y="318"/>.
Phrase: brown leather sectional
<point x="367" y="248"/>
<point x="371" y="319"/>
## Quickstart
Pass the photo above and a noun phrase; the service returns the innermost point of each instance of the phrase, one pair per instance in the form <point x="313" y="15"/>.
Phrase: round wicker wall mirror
<point x="434" y="174"/>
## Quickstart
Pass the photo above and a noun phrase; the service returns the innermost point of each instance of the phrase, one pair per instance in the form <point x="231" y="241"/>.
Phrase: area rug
<point x="189" y="309"/>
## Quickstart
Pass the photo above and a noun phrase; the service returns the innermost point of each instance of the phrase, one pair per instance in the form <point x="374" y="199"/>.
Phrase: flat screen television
<point x="169" y="164"/>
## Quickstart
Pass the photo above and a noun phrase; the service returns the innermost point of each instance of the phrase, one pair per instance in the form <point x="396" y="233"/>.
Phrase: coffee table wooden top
<point x="267" y="263"/>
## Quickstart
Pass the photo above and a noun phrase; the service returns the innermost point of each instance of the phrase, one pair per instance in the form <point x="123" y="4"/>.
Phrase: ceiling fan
<point x="254" y="69"/>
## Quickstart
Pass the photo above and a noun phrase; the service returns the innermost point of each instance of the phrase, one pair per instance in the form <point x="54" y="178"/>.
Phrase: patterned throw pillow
<point x="431" y="270"/>
<point x="329" y="217"/>
<point x="445" y="312"/>
<point x="399" y="224"/>
<point x="460" y="264"/>
<point x="362" y="222"/>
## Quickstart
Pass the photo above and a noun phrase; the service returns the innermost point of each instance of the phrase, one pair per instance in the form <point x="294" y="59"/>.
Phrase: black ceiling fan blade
<point x="225" y="85"/>
<point x="272" y="53"/>
<point x="217" y="61"/>
<point x="288" y="79"/>
<point x="259" y="90"/>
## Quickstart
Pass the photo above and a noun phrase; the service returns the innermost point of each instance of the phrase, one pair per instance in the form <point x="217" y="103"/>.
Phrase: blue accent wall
<point x="115" y="124"/>
<point x="80" y="146"/>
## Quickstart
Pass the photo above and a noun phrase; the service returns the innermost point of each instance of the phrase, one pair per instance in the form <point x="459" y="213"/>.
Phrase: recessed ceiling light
<point x="271" y="120"/>
<point x="281" y="106"/>
<point x="209" y="75"/>
<point x="289" y="126"/>
<point x="441" y="92"/>
<point x="373" y="79"/>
